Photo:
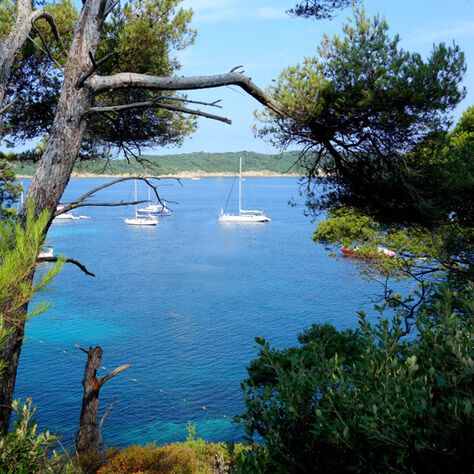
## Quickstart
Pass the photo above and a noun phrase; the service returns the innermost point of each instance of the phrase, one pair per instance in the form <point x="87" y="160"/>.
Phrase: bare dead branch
<point x="102" y="9"/>
<point x="234" y="69"/>
<point x="132" y="80"/>
<point x="180" y="99"/>
<point x="153" y="104"/>
<point x="114" y="372"/>
<point x="67" y="260"/>
<point x="79" y="202"/>
<point x="93" y="69"/>
<point x="110" y="8"/>
<point x="99" y="204"/>
<point x="45" y="50"/>
<point x="82" y="349"/>
<point x="175" y="108"/>
<point x="45" y="46"/>
<point x="4" y="109"/>
<point x="36" y="15"/>
<point x="101" y="424"/>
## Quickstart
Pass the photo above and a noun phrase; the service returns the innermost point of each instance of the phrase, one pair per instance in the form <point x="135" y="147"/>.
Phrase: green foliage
<point x="7" y="17"/>
<point x="5" y="333"/>
<point x="25" y="451"/>
<point x="362" y="105"/>
<point x="418" y="251"/>
<point x="366" y="401"/>
<point x="319" y="9"/>
<point x="190" y="457"/>
<point x="191" y="429"/>
<point x="35" y="81"/>
<point x="143" y="36"/>
<point x="9" y="190"/>
<point x="19" y="250"/>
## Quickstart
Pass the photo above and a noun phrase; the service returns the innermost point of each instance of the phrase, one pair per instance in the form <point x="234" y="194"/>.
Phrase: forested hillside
<point x="190" y="162"/>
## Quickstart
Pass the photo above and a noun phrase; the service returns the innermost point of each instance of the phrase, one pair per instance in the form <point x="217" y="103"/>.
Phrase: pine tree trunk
<point x="10" y="354"/>
<point x="12" y="44"/>
<point x="54" y="170"/>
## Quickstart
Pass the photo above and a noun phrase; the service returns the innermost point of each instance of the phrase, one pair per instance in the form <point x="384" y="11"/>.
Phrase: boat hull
<point x="144" y="213"/>
<point x="249" y="218"/>
<point x="66" y="217"/>
<point x="147" y="222"/>
<point x="381" y="252"/>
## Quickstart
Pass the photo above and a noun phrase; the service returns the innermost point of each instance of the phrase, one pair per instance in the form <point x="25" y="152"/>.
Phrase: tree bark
<point x="10" y="354"/>
<point x="54" y="170"/>
<point x="87" y="440"/>
<point x="128" y="79"/>
<point x="88" y="436"/>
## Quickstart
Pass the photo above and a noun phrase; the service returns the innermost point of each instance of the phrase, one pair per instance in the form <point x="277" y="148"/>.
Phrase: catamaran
<point x="243" y="215"/>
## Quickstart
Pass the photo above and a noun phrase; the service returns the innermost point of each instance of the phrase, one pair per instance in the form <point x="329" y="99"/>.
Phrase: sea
<point x="182" y="303"/>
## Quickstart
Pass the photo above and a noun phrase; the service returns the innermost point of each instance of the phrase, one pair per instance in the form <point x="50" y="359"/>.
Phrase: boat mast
<point x="240" y="187"/>
<point x="135" y="197"/>
<point x="149" y="191"/>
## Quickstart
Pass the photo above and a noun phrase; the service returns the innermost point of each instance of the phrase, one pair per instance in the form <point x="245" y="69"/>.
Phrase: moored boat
<point x="244" y="216"/>
<point x="356" y="252"/>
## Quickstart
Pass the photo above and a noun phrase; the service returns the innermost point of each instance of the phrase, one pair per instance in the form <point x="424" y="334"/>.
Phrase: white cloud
<point x="211" y="11"/>
<point x="465" y="29"/>
<point x="270" y="13"/>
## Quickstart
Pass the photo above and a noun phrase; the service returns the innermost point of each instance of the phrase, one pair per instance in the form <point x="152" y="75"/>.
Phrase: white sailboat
<point x="244" y="216"/>
<point x="153" y="210"/>
<point x="140" y="219"/>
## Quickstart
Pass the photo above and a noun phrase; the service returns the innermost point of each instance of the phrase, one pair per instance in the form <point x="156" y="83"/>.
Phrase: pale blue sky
<point x="261" y="36"/>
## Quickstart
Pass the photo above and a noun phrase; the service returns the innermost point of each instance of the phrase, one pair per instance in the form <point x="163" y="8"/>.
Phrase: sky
<point x="262" y="37"/>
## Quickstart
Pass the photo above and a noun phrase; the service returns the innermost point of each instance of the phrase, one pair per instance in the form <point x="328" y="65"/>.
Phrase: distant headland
<point x="188" y="165"/>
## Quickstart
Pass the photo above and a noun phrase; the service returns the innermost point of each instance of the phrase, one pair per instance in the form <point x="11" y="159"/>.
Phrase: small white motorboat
<point x="47" y="251"/>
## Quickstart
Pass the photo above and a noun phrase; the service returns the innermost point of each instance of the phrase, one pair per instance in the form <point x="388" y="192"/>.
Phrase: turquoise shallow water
<point x="182" y="303"/>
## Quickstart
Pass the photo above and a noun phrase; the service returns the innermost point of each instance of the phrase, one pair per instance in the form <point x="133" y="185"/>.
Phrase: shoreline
<point x="184" y="175"/>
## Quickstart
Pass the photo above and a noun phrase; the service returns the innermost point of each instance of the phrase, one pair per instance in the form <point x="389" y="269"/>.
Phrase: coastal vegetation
<point x="394" y="394"/>
<point x="195" y="163"/>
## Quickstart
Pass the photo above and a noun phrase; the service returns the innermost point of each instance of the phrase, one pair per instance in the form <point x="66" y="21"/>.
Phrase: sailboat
<point x="140" y="219"/>
<point x="154" y="210"/>
<point x="243" y="215"/>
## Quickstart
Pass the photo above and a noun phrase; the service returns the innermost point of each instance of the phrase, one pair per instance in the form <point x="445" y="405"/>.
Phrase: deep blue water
<point x="182" y="303"/>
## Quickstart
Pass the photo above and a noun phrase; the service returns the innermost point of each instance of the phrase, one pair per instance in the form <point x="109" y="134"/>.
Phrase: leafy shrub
<point x="193" y="456"/>
<point x="365" y="400"/>
<point x="24" y="451"/>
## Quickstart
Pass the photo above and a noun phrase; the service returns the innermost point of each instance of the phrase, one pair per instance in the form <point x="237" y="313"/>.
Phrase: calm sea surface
<point x="182" y="303"/>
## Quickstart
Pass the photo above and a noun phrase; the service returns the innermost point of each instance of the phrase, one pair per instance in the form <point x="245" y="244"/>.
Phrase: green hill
<point x="190" y="162"/>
